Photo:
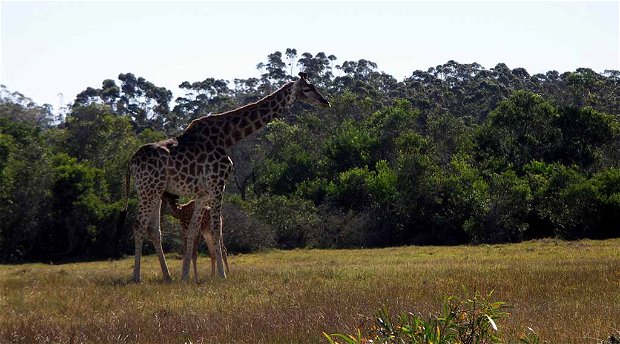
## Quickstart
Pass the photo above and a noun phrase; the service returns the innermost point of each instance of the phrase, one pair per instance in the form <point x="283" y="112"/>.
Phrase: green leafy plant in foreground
<point x="462" y="321"/>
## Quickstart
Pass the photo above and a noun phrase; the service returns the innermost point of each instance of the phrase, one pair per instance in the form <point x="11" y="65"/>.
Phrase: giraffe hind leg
<point x="140" y="228"/>
<point x="138" y="241"/>
<point x="155" y="234"/>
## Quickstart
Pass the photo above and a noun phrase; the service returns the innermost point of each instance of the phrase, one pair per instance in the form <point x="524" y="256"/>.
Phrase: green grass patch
<point x="568" y="292"/>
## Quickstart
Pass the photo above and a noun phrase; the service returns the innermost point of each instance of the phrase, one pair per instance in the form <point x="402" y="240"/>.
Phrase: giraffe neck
<point x="235" y="125"/>
<point x="251" y="118"/>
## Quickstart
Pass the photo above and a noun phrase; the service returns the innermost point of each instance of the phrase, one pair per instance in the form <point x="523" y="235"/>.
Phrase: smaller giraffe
<point x="183" y="212"/>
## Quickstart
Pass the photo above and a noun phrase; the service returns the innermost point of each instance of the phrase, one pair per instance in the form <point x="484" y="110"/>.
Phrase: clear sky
<point x="63" y="47"/>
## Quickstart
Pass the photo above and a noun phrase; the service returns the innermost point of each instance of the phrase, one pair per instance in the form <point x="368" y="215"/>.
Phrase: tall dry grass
<point x="569" y="292"/>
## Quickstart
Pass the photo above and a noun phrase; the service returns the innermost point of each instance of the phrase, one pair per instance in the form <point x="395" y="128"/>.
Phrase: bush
<point x="245" y="233"/>
<point x="607" y="183"/>
<point x="79" y="211"/>
<point x="340" y="229"/>
<point x="289" y="218"/>
<point x="565" y="198"/>
<point x="503" y="215"/>
<point x="462" y="321"/>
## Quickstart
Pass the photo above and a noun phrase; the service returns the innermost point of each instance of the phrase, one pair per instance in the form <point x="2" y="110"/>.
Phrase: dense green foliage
<point x="462" y="321"/>
<point x="455" y="154"/>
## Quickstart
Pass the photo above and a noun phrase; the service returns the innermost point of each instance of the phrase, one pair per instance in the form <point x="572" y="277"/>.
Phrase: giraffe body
<point x="183" y="212"/>
<point x="197" y="164"/>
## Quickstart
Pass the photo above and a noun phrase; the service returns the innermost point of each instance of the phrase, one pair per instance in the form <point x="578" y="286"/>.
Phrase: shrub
<point x="502" y="218"/>
<point x="607" y="183"/>
<point x="244" y="233"/>
<point x="462" y="321"/>
<point x="289" y="218"/>
<point x="563" y="197"/>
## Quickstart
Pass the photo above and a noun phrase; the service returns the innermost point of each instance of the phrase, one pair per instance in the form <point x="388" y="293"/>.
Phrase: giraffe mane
<point x="195" y="123"/>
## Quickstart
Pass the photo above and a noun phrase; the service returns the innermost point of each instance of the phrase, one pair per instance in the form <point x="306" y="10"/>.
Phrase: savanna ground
<point x="568" y="292"/>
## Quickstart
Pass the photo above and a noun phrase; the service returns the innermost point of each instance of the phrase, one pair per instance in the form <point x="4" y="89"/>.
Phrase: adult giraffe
<point x="197" y="164"/>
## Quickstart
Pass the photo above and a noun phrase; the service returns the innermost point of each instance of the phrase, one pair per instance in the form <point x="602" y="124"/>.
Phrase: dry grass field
<point x="569" y="292"/>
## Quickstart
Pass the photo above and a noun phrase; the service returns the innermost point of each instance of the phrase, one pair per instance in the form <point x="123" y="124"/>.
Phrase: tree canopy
<point x="454" y="154"/>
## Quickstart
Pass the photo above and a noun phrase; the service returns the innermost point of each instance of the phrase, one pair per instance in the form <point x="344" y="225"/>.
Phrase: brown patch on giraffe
<point x="188" y="179"/>
<point x="235" y="120"/>
<point x="221" y="152"/>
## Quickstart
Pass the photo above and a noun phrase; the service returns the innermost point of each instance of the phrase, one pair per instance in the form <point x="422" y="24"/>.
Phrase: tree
<point x="291" y="55"/>
<point x="563" y="198"/>
<point x="318" y="66"/>
<point x="275" y="71"/>
<point x="452" y="154"/>
<point x="201" y="98"/>
<point x="145" y="103"/>
<point x="95" y="136"/>
<point x="519" y="130"/>
<point x="24" y="181"/>
<point x="14" y="106"/>
<point x="585" y="134"/>
<point x="78" y="205"/>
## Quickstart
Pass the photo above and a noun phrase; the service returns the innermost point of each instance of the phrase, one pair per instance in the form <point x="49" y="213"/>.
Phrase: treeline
<point x="455" y="154"/>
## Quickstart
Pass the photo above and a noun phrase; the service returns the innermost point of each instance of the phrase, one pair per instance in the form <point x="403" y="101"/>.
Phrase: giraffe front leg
<point x="206" y="234"/>
<point x="195" y="257"/>
<point x="225" y="256"/>
<point x="216" y="194"/>
<point x="216" y="231"/>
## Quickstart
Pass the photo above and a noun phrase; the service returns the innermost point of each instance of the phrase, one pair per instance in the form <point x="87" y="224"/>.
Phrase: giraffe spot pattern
<point x="196" y="163"/>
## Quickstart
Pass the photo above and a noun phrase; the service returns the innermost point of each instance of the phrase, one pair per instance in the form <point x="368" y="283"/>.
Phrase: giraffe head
<point x="307" y="92"/>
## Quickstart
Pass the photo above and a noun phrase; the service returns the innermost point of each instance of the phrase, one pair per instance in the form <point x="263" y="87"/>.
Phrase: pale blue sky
<point x="53" y="47"/>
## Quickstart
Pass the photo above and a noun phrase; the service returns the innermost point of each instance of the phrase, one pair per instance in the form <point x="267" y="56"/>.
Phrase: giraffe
<point x="183" y="212"/>
<point x="197" y="163"/>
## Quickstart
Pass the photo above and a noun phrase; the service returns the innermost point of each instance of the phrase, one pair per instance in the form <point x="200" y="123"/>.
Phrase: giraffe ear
<point x="303" y="75"/>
